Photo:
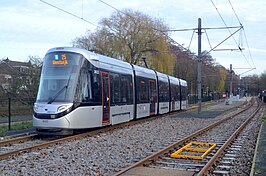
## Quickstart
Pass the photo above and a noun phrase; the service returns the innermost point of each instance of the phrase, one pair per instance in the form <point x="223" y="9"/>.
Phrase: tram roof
<point x="162" y="77"/>
<point x="99" y="60"/>
<point x="144" y="72"/>
<point x="174" y="80"/>
<point x="183" y="82"/>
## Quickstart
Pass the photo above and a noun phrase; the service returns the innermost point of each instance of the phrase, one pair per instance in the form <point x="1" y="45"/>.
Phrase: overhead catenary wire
<point x="171" y="39"/>
<point x="205" y="31"/>
<point x="81" y="18"/>
<point x="248" y="48"/>
<point x="243" y="32"/>
<point x="82" y="10"/>
<point x="203" y="28"/>
<point x="239" y="45"/>
<point x="191" y="39"/>
<point x="240" y="49"/>
<point x="126" y="14"/>
<point x="234" y="12"/>
<point x="224" y="21"/>
<point x="114" y="8"/>
<point x="224" y="40"/>
<point x="163" y="32"/>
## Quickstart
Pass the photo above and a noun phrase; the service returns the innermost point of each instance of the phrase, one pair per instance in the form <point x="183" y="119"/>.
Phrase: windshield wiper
<point x="59" y="92"/>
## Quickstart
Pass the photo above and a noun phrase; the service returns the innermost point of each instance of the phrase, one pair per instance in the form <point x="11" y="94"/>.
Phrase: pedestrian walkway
<point x="20" y="132"/>
<point x="16" y="118"/>
<point x="259" y="162"/>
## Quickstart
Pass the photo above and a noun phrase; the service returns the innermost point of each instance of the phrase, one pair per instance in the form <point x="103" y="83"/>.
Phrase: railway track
<point x="16" y="140"/>
<point x="222" y="134"/>
<point x="30" y="143"/>
<point x="24" y="144"/>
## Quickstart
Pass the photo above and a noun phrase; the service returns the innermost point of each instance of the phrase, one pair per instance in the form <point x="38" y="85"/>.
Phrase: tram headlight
<point x="35" y="107"/>
<point x="62" y="108"/>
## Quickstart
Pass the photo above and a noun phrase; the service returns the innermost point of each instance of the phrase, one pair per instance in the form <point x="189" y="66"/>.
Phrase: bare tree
<point x="262" y="81"/>
<point x="24" y="79"/>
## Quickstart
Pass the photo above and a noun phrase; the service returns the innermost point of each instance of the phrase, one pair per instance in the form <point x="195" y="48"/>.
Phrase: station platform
<point x="259" y="162"/>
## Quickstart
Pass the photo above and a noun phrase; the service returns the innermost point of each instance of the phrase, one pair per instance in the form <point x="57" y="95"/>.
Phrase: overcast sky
<point x="31" y="27"/>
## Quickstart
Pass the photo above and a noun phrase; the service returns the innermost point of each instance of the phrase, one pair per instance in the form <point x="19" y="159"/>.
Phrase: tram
<point x="80" y="89"/>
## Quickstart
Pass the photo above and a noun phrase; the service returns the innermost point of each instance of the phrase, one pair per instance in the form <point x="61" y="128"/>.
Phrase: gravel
<point x="106" y="153"/>
<point x="242" y="165"/>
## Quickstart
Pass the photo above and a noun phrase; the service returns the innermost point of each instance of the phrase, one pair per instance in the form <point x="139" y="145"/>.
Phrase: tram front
<point x="58" y="83"/>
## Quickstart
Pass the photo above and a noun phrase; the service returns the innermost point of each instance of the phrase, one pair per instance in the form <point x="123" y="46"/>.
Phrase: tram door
<point x="106" y="97"/>
<point x="152" y="94"/>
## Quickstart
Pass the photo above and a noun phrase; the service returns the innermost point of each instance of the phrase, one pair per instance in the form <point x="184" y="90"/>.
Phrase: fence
<point x="193" y="99"/>
<point x="12" y="109"/>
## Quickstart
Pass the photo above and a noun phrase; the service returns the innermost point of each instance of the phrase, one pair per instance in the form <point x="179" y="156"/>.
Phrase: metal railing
<point x="12" y="110"/>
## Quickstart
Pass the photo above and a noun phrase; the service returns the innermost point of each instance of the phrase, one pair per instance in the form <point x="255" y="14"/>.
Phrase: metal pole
<point x="199" y="65"/>
<point x="9" y="114"/>
<point x="231" y="82"/>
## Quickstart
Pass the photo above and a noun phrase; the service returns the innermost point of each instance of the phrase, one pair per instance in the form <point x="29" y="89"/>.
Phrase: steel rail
<point x="180" y="142"/>
<point x="49" y="143"/>
<point x="219" y="153"/>
<point x="69" y="138"/>
<point x="60" y="140"/>
<point x="17" y="140"/>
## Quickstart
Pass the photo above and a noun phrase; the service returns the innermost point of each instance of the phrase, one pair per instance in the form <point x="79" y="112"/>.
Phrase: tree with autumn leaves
<point x="130" y="36"/>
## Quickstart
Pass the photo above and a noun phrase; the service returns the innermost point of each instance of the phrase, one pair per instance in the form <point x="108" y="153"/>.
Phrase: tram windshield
<point x="59" y="76"/>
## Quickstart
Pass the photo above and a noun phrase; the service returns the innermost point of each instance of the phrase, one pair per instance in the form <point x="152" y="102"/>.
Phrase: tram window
<point x="112" y="88"/>
<point x="84" y="87"/>
<point x="142" y="90"/>
<point x="127" y="87"/>
<point x="116" y="88"/>
<point x="88" y="88"/>
<point x="160" y="91"/>
<point x="166" y="94"/>
<point x="124" y="89"/>
<point x="82" y="90"/>
<point x="130" y="92"/>
<point x="178" y="92"/>
<point x="173" y="92"/>
<point x="163" y="91"/>
<point x="96" y="89"/>
<point x="121" y="89"/>
<point x="183" y="92"/>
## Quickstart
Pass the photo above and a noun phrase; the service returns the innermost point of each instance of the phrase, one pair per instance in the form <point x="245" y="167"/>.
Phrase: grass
<point x="16" y="126"/>
<point x="264" y="117"/>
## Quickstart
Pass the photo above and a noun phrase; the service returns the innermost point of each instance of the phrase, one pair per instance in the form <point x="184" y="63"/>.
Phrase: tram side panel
<point x="146" y="92"/>
<point x="163" y="93"/>
<point x="85" y="117"/>
<point x="174" y="94"/>
<point x="121" y="98"/>
<point x="183" y="92"/>
<point x="119" y="93"/>
<point x="91" y="93"/>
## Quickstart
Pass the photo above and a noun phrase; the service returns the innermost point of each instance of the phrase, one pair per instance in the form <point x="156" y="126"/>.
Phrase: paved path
<point x="259" y="165"/>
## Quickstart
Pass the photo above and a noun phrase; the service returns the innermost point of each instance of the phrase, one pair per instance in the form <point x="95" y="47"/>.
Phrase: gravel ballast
<point x="106" y="153"/>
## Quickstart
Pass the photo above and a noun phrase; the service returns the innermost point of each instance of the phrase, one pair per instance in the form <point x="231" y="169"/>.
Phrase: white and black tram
<point x="80" y="89"/>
